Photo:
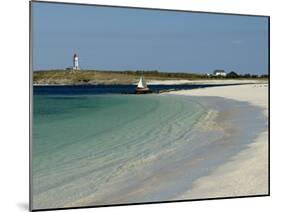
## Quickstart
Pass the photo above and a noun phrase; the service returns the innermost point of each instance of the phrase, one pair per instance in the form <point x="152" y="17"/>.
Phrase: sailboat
<point x="142" y="87"/>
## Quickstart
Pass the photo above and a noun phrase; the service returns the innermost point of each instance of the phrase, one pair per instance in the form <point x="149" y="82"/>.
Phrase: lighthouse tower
<point x="75" y="62"/>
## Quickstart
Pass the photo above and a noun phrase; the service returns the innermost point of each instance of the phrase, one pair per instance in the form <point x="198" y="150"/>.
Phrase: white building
<point x="75" y="62"/>
<point x="219" y="73"/>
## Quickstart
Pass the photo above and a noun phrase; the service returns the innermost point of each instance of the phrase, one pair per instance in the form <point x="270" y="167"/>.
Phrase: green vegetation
<point x="105" y="77"/>
<point x="117" y="77"/>
<point x="234" y="75"/>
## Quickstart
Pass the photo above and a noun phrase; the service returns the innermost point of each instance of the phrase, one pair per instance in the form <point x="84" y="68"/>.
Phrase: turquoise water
<point x="111" y="149"/>
<point x="81" y="142"/>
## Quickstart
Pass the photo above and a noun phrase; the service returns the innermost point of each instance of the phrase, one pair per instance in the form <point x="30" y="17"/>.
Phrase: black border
<point x="139" y="203"/>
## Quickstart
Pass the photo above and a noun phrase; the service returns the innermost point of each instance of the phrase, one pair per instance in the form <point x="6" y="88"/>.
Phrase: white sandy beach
<point x="244" y="174"/>
<point x="247" y="172"/>
<point x="212" y="144"/>
<point x="203" y="82"/>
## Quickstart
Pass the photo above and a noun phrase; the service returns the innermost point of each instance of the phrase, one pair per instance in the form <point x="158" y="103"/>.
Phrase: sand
<point x="203" y="82"/>
<point x="247" y="172"/>
<point x="243" y="173"/>
<point x="204" y="163"/>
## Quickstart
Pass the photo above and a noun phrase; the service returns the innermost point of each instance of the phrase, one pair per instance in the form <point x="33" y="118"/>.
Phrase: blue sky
<point x="108" y="38"/>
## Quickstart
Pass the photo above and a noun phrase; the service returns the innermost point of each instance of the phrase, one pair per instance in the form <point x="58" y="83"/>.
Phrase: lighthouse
<point x="75" y="62"/>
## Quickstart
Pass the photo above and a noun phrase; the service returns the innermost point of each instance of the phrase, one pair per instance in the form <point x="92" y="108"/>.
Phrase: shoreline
<point x="212" y="143"/>
<point x="189" y="165"/>
<point x="248" y="163"/>
<point x="167" y="82"/>
<point x="206" y="81"/>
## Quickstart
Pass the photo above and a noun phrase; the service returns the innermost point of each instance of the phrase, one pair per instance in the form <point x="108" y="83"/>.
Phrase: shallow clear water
<point x="110" y="149"/>
<point x="78" y="135"/>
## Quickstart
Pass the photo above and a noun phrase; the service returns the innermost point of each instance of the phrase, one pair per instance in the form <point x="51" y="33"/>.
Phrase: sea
<point x="113" y="89"/>
<point x="100" y="145"/>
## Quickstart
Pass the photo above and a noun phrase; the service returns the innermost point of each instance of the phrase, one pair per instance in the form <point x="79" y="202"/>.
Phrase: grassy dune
<point x="67" y="77"/>
<point x="104" y="77"/>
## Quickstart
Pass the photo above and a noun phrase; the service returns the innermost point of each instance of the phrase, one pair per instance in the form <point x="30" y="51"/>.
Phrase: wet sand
<point x="226" y="156"/>
<point x="247" y="172"/>
<point x="215" y="148"/>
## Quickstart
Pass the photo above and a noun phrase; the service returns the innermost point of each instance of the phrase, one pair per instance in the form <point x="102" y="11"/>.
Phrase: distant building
<point x="75" y="62"/>
<point x="219" y="73"/>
